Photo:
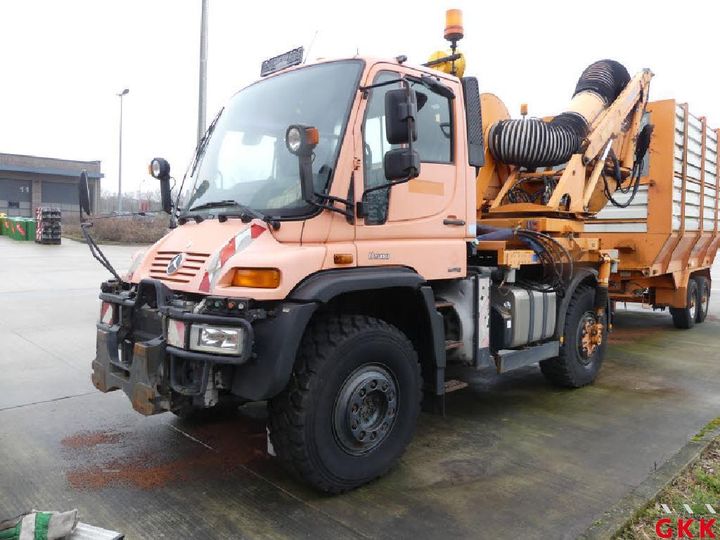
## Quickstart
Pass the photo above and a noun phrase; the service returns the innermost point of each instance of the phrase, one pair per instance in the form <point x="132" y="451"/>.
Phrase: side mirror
<point x="160" y="168"/>
<point x="400" y="113"/>
<point x="84" y="193"/>
<point x="301" y="141"/>
<point x="401" y="163"/>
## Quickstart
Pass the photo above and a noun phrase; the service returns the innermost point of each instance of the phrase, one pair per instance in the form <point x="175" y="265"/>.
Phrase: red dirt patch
<point x="234" y="444"/>
<point x="89" y="439"/>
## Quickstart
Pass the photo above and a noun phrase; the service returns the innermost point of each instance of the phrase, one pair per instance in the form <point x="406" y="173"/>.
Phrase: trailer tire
<point x="575" y="366"/>
<point x="685" y="317"/>
<point x="703" y="298"/>
<point x="352" y="403"/>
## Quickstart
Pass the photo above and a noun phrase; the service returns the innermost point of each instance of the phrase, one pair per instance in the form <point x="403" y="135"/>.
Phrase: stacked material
<point x="49" y="226"/>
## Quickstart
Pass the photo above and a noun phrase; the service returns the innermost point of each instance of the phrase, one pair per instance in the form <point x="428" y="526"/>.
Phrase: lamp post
<point x="202" y="79"/>
<point x="119" y="201"/>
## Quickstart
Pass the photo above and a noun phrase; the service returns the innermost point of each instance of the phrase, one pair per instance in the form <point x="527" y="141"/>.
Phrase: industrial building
<point x="27" y="182"/>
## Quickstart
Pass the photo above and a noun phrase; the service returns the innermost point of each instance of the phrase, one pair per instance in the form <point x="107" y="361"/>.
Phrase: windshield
<point x="246" y="159"/>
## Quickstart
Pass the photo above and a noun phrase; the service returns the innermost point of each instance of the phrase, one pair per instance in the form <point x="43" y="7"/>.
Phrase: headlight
<point x="216" y="339"/>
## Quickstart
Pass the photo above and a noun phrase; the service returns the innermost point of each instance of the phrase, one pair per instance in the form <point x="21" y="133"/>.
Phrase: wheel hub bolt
<point x="373" y="385"/>
<point x="362" y="435"/>
<point x="373" y="435"/>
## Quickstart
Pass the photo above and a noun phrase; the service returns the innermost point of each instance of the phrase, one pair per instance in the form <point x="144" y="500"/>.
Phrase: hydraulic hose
<point x="535" y="143"/>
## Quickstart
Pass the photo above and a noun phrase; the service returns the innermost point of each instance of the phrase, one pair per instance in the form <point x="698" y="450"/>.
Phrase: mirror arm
<point x="347" y="213"/>
<point x="97" y="252"/>
<point x="388" y="185"/>
<point x="366" y="89"/>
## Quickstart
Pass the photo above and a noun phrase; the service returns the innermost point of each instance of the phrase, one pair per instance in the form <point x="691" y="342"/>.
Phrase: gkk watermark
<point x="692" y="523"/>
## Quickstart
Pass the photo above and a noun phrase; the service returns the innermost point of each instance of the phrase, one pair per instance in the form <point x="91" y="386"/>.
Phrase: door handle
<point x="453" y="221"/>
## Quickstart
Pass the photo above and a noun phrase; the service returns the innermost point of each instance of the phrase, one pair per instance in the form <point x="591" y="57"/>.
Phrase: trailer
<point x="356" y="225"/>
<point x="667" y="236"/>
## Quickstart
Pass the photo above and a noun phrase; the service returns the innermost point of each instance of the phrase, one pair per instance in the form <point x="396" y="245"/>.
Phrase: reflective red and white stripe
<point x="236" y="244"/>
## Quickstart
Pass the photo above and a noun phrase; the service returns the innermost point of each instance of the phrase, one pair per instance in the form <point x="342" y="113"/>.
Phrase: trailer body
<point x="669" y="233"/>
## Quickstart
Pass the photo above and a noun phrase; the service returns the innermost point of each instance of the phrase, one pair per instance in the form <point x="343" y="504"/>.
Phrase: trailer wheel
<point x="703" y="298"/>
<point x="583" y="349"/>
<point x="685" y="317"/>
<point x="351" y="406"/>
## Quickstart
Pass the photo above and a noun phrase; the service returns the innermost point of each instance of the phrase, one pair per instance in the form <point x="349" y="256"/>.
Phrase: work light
<point x="301" y="140"/>
<point x="159" y="168"/>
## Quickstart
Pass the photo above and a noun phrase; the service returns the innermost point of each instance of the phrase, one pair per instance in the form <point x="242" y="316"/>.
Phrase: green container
<point x="30" y="226"/>
<point x="16" y="228"/>
<point x="19" y="227"/>
<point x="10" y="228"/>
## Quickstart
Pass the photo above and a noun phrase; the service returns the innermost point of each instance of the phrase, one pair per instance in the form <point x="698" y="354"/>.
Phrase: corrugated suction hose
<point x="535" y="143"/>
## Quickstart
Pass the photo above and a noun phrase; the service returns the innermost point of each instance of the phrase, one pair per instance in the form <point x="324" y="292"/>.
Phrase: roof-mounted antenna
<point x="312" y="42"/>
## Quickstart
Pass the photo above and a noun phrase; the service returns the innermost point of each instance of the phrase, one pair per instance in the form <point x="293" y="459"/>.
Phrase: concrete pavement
<point x="514" y="457"/>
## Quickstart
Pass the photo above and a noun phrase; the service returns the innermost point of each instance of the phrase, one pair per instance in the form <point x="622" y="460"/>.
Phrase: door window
<point x="434" y="143"/>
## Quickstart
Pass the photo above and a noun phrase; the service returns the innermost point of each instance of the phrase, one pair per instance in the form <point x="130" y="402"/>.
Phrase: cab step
<point x="450" y="345"/>
<point x="454" y="384"/>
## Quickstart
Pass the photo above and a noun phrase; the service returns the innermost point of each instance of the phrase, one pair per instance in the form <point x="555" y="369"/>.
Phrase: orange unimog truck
<point x="356" y="225"/>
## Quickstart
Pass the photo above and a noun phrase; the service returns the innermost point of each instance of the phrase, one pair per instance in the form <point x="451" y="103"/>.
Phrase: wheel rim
<point x="365" y="409"/>
<point x="705" y="299"/>
<point x="693" y="307"/>
<point x="589" y="338"/>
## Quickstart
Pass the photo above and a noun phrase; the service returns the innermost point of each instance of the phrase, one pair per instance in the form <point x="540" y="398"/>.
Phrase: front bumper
<point x="132" y="353"/>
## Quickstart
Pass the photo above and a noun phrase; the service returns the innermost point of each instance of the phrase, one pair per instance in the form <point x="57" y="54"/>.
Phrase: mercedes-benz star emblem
<point x="174" y="264"/>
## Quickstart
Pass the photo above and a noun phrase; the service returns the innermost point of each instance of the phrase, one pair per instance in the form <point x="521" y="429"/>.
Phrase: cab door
<point x="420" y="223"/>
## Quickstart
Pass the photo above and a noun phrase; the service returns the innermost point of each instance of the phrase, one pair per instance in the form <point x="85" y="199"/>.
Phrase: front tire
<point x="351" y="406"/>
<point x="582" y="352"/>
<point x="685" y="317"/>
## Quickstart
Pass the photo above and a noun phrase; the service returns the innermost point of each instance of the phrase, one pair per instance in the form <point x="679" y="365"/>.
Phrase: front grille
<point x="191" y="265"/>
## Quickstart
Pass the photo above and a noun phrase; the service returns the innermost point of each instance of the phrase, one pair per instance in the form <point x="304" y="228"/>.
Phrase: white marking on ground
<point x="181" y="432"/>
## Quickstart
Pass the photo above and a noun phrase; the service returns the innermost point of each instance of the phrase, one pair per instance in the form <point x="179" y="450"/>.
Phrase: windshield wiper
<point x="202" y="144"/>
<point x="246" y="213"/>
<point x="214" y="204"/>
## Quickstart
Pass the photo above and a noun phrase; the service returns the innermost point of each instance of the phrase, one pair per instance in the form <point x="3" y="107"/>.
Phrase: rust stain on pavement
<point x="87" y="439"/>
<point x="224" y="447"/>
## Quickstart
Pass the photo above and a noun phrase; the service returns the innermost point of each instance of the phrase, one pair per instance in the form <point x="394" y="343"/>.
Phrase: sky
<point x="65" y="61"/>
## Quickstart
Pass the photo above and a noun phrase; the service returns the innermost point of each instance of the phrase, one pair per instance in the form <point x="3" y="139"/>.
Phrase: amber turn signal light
<point x="343" y="258"/>
<point x="259" y="278"/>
